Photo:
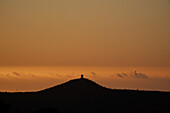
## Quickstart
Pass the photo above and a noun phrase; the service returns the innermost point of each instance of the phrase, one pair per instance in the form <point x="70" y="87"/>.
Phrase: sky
<point x="31" y="78"/>
<point x="45" y="42"/>
<point x="84" y="32"/>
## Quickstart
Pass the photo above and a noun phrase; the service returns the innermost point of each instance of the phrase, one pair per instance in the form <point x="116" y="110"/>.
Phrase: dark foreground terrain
<point x="85" y="96"/>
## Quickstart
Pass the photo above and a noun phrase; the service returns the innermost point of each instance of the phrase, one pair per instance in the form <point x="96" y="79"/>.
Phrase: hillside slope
<point x="85" y="96"/>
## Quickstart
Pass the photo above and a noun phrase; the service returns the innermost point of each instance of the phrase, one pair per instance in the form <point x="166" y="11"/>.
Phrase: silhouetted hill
<point x="75" y="85"/>
<point x="82" y="88"/>
<point x="85" y="96"/>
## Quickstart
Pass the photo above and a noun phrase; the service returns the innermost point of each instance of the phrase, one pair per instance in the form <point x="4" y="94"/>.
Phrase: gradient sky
<point x="84" y="33"/>
<point x="117" y="43"/>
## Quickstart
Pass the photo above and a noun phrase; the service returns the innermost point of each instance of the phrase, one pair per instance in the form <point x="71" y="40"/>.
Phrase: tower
<point x="82" y="76"/>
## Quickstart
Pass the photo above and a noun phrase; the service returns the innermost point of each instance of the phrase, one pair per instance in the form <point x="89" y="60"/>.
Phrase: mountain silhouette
<point x="77" y="87"/>
<point x="85" y="96"/>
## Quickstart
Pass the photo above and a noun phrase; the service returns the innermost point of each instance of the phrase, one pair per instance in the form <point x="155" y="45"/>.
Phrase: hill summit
<point x="78" y="87"/>
<point x="85" y="96"/>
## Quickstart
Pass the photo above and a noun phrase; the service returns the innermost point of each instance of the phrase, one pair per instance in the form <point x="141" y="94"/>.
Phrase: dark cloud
<point x="124" y="74"/>
<point x="133" y="74"/>
<point x="119" y="75"/>
<point x="93" y="73"/>
<point x="139" y="75"/>
<point x="16" y="73"/>
<point x="22" y="74"/>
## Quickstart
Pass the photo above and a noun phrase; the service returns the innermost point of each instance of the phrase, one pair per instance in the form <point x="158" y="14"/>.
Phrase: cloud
<point x="53" y="74"/>
<point x="69" y="75"/>
<point x="133" y="74"/>
<point x="124" y="74"/>
<point x="58" y="75"/>
<point x="93" y="73"/>
<point x="8" y="75"/>
<point x="119" y="75"/>
<point x="22" y="74"/>
<point x="30" y="74"/>
<point x="139" y="75"/>
<point x="16" y="73"/>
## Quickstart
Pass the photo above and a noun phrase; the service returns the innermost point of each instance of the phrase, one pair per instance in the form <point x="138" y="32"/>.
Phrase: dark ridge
<point x="82" y="84"/>
<point x="85" y="96"/>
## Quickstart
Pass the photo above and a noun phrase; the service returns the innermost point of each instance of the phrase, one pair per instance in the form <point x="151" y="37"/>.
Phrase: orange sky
<point x="84" y="32"/>
<point x="107" y="37"/>
<point x="38" y="78"/>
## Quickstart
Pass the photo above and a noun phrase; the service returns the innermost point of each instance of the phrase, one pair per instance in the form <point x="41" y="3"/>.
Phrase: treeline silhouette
<point x="85" y="96"/>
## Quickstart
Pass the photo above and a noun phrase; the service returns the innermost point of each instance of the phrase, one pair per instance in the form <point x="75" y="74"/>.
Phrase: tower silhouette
<point x="82" y="76"/>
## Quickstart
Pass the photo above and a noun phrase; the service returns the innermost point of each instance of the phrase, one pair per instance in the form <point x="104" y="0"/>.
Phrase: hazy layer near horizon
<point x="38" y="78"/>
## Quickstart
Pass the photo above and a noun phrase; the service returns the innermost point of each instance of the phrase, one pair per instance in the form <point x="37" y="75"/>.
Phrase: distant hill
<point x="82" y="88"/>
<point x="85" y="96"/>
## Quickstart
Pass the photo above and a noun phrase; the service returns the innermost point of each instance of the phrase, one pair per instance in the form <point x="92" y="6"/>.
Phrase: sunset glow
<point x="38" y="78"/>
<point x="120" y="44"/>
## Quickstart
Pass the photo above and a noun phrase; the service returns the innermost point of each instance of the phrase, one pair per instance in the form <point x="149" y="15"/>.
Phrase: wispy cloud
<point x="139" y="75"/>
<point x="16" y="73"/>
<point x="69" y="75"/>
<point x="8" y="75"/>
<point x="133" y="74"/>
<point x="55" y="74"/>
<point x="93" y="73"/>
<point x="124" y="74"/>
<point x="119" y="75"/>
<point x="31" y="75"/>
